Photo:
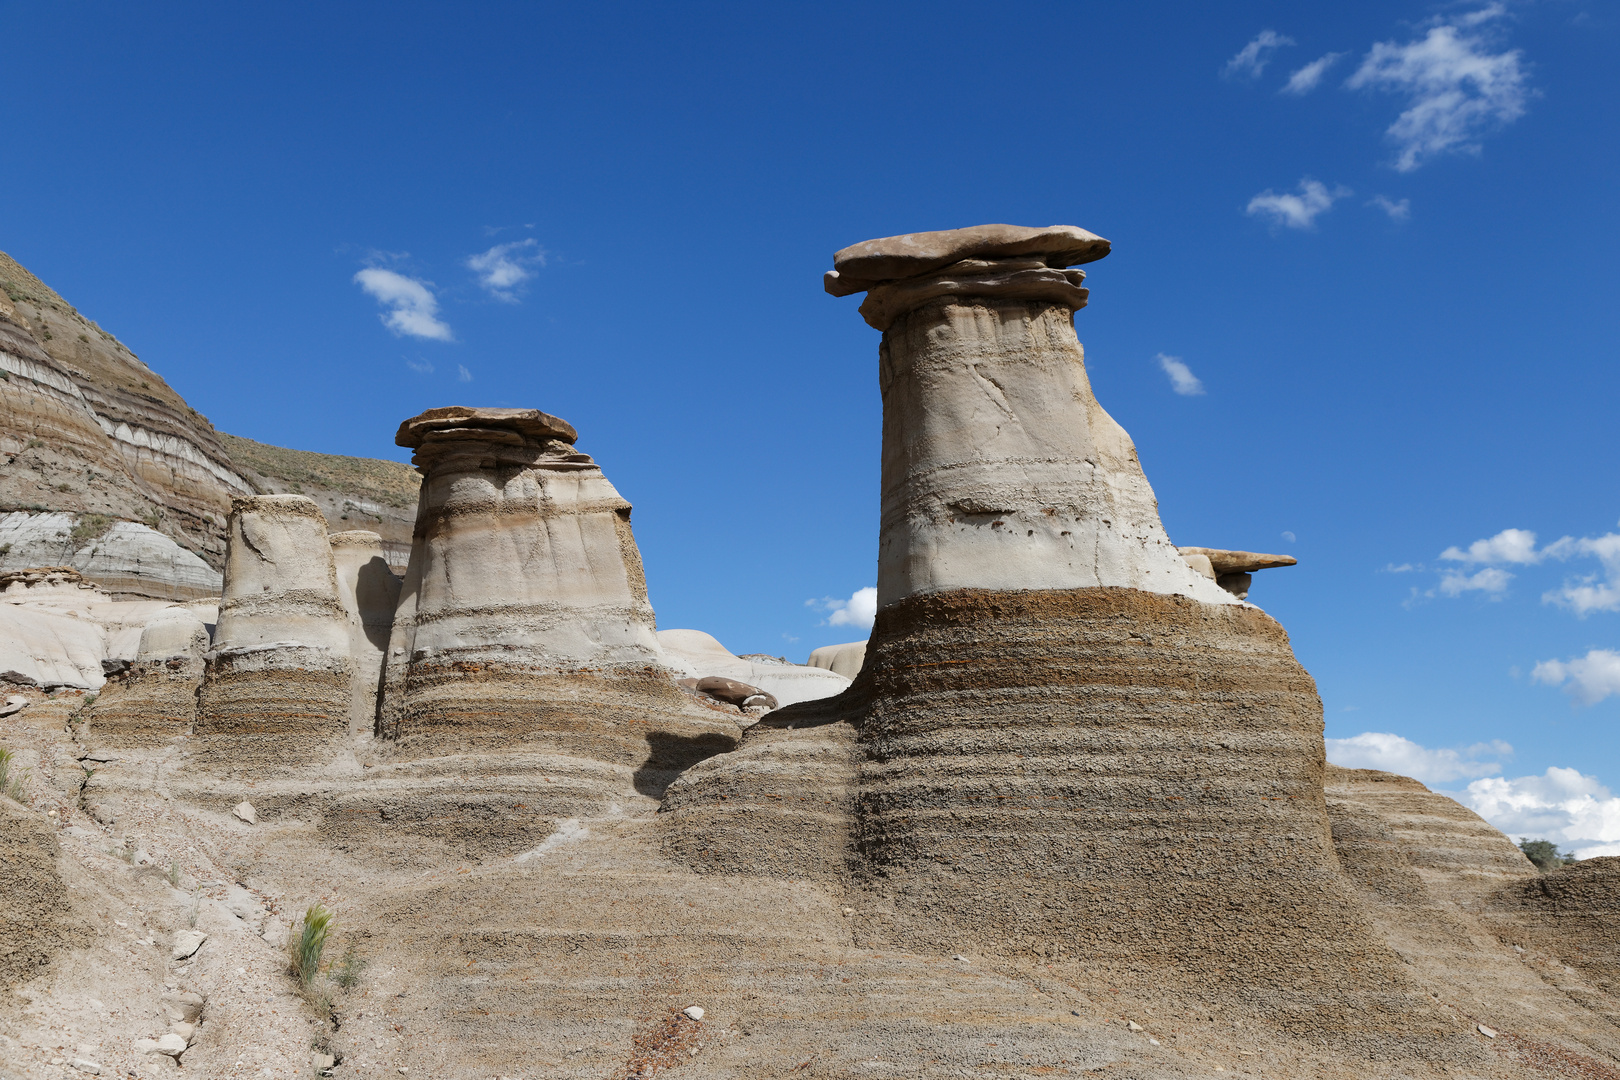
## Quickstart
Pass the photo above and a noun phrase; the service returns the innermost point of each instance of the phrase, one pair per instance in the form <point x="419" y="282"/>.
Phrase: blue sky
<point x="1360" y="307"/>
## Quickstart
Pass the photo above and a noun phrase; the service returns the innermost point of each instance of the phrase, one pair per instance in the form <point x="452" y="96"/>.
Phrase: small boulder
<point x="15" y="703"/>
<point x="171" y="1044"/>
<point x="87" y="1066"/>
<point x="186" y="1031"/>
<point x="730" y="690"/>
<point x="245" y="811"/>
<point x="693" y="1012"/>
<point x="187" y="942"/>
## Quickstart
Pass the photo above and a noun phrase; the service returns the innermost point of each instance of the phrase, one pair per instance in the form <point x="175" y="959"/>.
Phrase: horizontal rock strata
<point x="277" y="689"/>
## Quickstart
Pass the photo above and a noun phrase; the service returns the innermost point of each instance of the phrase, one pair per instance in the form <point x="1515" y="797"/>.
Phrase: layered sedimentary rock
<point x="127" y="559"/>
<point x="278" y="682"/>
<point x="89" y="429"/>
<point x="154" y="698"/>
<point x="524" y="622"/>
<point x="369" y="593"/>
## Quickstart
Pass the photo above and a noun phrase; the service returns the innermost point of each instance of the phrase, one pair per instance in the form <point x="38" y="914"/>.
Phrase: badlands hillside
<point x="325" y="767"/>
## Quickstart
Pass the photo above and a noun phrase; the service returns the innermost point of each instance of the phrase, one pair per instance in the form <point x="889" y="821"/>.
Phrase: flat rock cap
<point x="531" y="422"/>
<point x="871" y="261"/>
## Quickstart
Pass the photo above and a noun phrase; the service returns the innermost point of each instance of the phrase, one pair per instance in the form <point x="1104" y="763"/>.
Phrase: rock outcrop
<point x="698" y="655"/>
<point x="369" y="593"/>
<point x="523" y="625"/>
<point x="845" y="659"/>
<point x="277" y="688"/>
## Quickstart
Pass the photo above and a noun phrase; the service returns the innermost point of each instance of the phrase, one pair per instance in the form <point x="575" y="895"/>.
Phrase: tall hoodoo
<point x="1000" y="469"/>
<point x="277" y="683"/>
<point x="1071" y="742"/>
<point x="369" y="593"/>
<point x="524" y="618"/>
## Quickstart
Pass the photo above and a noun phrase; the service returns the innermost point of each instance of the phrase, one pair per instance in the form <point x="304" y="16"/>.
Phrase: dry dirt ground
<point x="577" y="957"/>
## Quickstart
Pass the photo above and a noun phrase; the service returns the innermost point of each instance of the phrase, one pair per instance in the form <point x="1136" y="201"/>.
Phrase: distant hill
<point x="89" y="430"/>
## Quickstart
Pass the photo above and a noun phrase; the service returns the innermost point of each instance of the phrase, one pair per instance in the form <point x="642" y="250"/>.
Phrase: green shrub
<point x="89" y="527"/>
<point x="305" y="943"/>
<point x="348" y="975"/>
<point x="13" y="786"/>
<point x="1545" y="854"/>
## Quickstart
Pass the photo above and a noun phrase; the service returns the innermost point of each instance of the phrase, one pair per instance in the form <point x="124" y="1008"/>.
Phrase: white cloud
<point x="1297" y="211"/>
<point x="1182" y="380"/>
<point x="505" y="266"/>
<point x="1309" y="77"/>
<point x="411" y="306"/>
<point x="860" y="610"/>
<point x="1491" y="580"/>
<point x="1456" y="87"/>
<point x="1562" y="805"/>
<point x="1507" y="546"/>
<point x="1587" y="594"/>
<point x="1397" y="211"/>
<point x="1588" y="679"/>
<point x="1252" y="59"/>
<point x="421" y="367"/>
<point x="462" y="374"/>
<point x="1392" y="753"/>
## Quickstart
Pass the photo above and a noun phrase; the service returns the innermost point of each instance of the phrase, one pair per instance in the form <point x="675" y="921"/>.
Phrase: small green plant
<point x="35" y="444"/>
<point x="348" y="974"/>
<point x="196" y="906"/>
<point x="1545" y="854"/>
<point x="307" y="941"/>
<point x="85" y="338"/>
<point x="174" y="873"/>
<point x="127" y="852"/>
<point x="90" y="526"/>
<point x="13" y="784"/>
<point x="6" y="375"/>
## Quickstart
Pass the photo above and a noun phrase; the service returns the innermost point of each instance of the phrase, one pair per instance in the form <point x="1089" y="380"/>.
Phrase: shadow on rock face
<point x="669" y="755"/>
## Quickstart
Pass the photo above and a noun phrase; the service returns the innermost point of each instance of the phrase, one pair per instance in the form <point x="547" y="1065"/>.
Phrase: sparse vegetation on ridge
<point x="390" y="483"/>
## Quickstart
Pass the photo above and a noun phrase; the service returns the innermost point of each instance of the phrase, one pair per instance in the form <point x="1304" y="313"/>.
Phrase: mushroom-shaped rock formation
<point x="1066" y="741"/>
<point x="276" y="688"/>
<point x="524" y="624"/>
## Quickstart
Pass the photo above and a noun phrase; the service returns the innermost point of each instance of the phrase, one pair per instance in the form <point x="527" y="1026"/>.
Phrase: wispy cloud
<point x="1456" y="87"/>
<point x="462" y="374"/>
<point x="504" y="267"/>
<point x="1309" y="77"/>
<point x="411" y="309"/>
<point x="1584" y="595"/>
<point x="1182" y="380"/>
<point x="1588" y="679"/>
<point x="1507" y="546"/>
<point x="1393" y="753"/>
<point x="1492" y="581"/>
<point x="421" y="367"/>
<point x="859" y="611"/>
<point x="1397" y="211"/>
<point x="1297" y="211"/>
<point x="1252" y="59"/>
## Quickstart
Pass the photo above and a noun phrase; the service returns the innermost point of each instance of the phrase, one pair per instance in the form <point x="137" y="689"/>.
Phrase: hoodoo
<point x="524" y="619"/>
<point x="277" y="684"/>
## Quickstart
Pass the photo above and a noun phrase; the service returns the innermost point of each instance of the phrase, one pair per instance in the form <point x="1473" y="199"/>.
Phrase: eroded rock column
<point x="369" y="593"/>
<point x="524" y="620"/>
<point x="277" y="686"/>
<point x="1071" y="743"/>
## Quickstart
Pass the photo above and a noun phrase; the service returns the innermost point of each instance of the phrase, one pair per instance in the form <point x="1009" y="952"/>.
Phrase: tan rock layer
<point x="635" y="718"/>
<point x="37" y="921"/>
<point x="273" y="708"/>
<point x="781" y="806"/>
<point x="151" y="703"/>
<point x="1116" y="775"/>
<point x="1572" y="914"/>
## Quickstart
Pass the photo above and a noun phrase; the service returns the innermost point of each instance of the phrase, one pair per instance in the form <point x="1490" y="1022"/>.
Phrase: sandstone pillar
<point x="369" y="593"/>
<point x="277" y="685"/>
<point x="1071" y="743"/>
<point x="524" y="620"/>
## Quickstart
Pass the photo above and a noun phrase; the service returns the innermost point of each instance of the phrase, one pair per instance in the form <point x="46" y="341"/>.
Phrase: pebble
<point x="1133" y="1025"/>
<point x="86" y="1065"/>
<point x="694" y="1012"/>
<point x="960" y="958"/>
<point x="187" y="942"/>
<point x="1489" y="1033"/>
<point x="245" y="811"/>
<point x="171" y="1044"/>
